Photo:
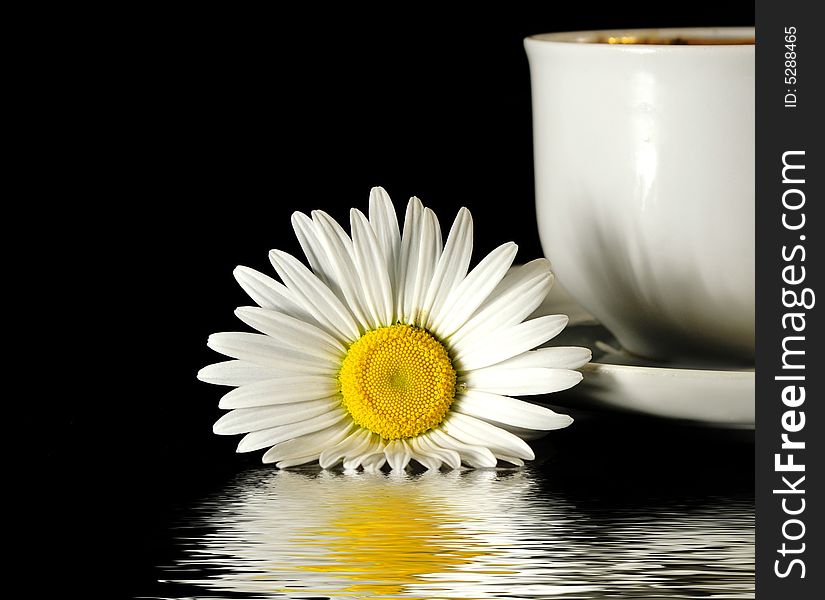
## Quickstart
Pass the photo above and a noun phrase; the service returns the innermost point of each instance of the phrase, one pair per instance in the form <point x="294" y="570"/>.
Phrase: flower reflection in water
<point x="386" y="539"/>
<point x="475" y="534"/>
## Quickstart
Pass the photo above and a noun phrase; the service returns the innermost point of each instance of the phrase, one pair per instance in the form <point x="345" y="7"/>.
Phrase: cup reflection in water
<point x="644" y="168"/>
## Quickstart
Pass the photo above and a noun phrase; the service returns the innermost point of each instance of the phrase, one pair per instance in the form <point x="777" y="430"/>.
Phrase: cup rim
<point x="587" y="38"/>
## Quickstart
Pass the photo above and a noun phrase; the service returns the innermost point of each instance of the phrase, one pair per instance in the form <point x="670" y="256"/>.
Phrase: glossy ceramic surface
<point x="644" y="160"/>
<point x="699" y="391"/>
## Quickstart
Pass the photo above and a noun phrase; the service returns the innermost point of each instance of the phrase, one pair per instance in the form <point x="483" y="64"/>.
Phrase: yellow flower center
<point x="397" y="381"/>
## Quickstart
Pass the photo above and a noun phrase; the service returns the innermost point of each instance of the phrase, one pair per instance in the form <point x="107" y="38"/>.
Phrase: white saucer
<point x="712" y="396"/>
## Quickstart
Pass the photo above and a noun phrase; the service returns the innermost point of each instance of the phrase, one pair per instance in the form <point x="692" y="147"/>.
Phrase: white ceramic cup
<point x="644" y="166"/>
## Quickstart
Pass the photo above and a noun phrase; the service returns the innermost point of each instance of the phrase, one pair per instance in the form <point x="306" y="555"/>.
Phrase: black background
<point x="183" y="142"/>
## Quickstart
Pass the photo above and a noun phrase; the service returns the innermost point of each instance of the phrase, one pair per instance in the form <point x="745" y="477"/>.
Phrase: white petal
<point x="451" y="267"/>
<point x="330" y="252"/>
<point x="510" y="459"/>
<point x="268" y="293"/>
<point x="516" y="297"/>
<point x="474" y="455"/>
<point x="292" y="332"/>
<point x="374" y="447"/>
<point x="473" y="431"/>
<point x="343" y="275"/>
<point x="431" y="463"/>
<point x="264" y="350"/>
<point x="283" y="390"/>
<point x="313" y="249"/>
<point x="374" y="462"/>
<point x="436" y="241"/>
<point x="408" y="257"/>
<point x="355" y="443"/>
<point x="473" y="290"/>
<point x="426" y="445"/>
<point x="315" y="297"/>
<point x="508" y="411"/>
<point x="519" y="275"/>
<point x="398" y="455"/>
<point x="385" y="224"/>
<point x="297" y="461"/>
<point x="558" y="357"/>
<point x="237" y="372"/>
<point x="428" y="460"/>
<point x="275" y="435"/>
<point x="421" y="258"/>
<point x="243" y="420"/>
<point x="504" y="343"/>
<point x="309" y="444"/>
<point x="372" y="271"/>
<point x="520" y="381"/>
<point x="432" y="231"/>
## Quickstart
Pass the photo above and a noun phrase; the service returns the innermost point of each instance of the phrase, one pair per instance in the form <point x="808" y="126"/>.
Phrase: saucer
<point x="714" y="396"/>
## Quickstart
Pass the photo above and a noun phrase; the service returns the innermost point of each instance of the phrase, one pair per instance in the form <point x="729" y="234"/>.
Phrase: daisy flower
<point x="386" y="349"/>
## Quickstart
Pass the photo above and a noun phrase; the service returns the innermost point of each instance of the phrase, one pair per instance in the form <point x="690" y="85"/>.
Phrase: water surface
<point x="521" y="533"/>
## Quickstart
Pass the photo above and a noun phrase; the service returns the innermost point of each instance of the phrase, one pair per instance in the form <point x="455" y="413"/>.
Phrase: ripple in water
<point x="471" y="534"/>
